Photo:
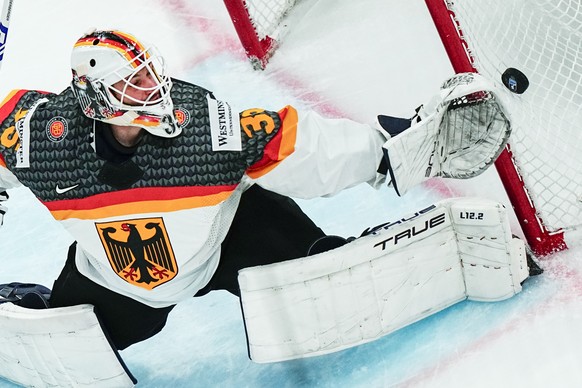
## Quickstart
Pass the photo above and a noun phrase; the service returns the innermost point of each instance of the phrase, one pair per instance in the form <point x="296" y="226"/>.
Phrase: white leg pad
<point x="381" y="282"/>
<point x="61" y="347"/>
<point x="494" y="263"/>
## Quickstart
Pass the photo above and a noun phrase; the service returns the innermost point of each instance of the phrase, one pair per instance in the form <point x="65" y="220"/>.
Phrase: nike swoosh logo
<point x="64" y="190"/>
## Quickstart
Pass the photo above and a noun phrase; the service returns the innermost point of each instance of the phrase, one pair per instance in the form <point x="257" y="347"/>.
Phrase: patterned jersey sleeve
<point x="312" y="156"/>
<point x="13" y="112"/>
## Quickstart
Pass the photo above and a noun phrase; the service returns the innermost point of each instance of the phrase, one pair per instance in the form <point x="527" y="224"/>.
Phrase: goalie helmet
<point x="120" y="81"/>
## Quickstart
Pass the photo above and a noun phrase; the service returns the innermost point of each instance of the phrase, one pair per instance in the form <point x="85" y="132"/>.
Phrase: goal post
<point x="259" y="25"/>
<point x="541" y="168"/>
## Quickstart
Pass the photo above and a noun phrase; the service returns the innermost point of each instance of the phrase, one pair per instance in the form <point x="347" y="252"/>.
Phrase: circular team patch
<point x="57" y="128"/>
<point x="182" y="116"/>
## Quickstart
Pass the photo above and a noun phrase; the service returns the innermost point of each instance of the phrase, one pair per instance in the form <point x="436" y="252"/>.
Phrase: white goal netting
<point x="543" y="39"/>
<point x="267" y="15"/>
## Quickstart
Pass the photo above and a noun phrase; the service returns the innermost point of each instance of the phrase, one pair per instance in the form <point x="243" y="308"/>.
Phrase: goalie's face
<point x="123" y="82"/>
<point x="139" y="89"/>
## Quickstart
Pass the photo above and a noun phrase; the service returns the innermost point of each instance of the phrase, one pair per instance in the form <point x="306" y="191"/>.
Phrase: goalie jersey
<point x="150" y="227"/>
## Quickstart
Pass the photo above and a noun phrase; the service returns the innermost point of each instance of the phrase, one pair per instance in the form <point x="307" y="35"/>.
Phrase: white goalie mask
<point x="120" y="81"/>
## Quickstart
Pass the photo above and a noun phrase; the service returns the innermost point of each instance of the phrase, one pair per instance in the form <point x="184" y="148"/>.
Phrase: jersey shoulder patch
<point x="224" y="126"/>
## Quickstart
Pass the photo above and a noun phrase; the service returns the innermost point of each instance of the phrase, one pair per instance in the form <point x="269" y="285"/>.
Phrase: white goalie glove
<point x="459" y="134"/>
<point x="3" y="197"/>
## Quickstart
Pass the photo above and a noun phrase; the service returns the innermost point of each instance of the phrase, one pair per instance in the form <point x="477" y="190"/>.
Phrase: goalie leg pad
<point x="494" y="262"/>
<point x="461" y="132"/>
<point x="60" y="347"/>
<point x="397" y="274"/>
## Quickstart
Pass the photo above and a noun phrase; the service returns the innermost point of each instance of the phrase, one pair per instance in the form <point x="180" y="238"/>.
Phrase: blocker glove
<point x="3" y="197"/>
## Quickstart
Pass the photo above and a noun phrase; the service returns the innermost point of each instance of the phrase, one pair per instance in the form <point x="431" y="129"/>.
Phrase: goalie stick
<point x="4" y="22"/>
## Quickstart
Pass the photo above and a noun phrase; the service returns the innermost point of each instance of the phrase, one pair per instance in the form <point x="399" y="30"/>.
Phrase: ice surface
<point x="353" y="59"/>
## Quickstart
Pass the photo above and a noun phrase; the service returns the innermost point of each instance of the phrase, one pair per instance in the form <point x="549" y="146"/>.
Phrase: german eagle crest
<point x="139" y="251"/>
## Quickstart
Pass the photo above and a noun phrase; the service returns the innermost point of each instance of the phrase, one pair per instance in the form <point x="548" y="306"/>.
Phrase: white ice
<point x="354" y="59"/>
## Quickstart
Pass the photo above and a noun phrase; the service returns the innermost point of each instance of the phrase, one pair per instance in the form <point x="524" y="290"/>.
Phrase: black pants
<point x="125" y="320"/>
<point x="266" y="229"/>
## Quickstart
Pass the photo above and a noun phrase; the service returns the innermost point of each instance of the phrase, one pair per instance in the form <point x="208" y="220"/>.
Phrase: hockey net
<point x="541" y="168"/>
<point x="259" y="25"/>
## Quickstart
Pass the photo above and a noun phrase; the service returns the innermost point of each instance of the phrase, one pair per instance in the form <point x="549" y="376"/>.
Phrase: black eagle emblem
<point x="141" y="261"/>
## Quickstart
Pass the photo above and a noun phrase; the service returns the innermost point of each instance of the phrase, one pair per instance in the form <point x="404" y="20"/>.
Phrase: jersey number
<point x="256" y="120"/>
<point x="9" y="138"/>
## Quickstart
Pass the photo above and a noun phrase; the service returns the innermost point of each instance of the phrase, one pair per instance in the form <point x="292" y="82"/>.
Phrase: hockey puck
<point x="515" y="80"/>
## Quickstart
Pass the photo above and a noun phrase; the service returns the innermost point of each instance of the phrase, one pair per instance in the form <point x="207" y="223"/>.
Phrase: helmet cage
<point x="147" y="64"/>
<point x="114" y="90"/>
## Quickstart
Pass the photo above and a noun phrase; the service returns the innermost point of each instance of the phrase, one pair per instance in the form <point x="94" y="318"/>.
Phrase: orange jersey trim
<point x="137" y="201"/>
<point x="280" y="147"/>
<point x="9" y="103"/>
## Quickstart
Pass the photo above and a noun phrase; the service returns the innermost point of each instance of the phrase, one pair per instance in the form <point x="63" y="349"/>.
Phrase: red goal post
<point x="543" y="39"/>
<point x="541" y="168"/>
<point x="259" y="25"/>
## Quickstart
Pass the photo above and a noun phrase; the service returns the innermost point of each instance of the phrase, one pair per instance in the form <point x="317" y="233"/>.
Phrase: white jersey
<point x="151" y="228"/>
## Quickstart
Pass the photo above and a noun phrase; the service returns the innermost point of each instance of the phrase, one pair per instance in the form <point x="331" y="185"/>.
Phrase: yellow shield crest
<point x="139" y="251"/>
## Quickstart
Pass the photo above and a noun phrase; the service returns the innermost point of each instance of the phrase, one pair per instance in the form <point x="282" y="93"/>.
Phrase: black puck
<point x="515" y="80"/>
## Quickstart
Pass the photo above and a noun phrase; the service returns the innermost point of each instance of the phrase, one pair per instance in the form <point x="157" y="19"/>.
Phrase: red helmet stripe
<point x="125" y="44"/>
